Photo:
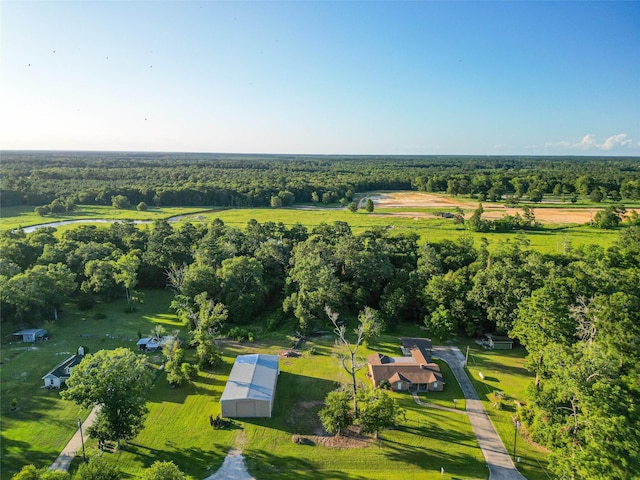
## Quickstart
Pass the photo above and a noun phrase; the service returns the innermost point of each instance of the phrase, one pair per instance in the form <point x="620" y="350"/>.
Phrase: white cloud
<point x="620" y="139"/>
<point x="589" y="142"/>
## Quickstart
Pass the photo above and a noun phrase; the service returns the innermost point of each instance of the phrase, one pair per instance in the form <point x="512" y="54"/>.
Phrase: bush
<point x="142" y="207"/>
<point x="240" y="334"/>
<point x="98" y="469"/>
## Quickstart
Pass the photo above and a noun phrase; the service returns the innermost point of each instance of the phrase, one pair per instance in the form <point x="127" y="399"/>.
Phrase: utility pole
<point x="84" y="457"/>
<point x="516" y="426"/>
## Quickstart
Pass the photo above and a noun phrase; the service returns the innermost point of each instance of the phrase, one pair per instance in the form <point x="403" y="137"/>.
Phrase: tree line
<point x="56" y="181"/>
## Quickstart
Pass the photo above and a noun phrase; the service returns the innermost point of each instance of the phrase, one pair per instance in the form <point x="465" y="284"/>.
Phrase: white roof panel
<point x="252" y="377"/>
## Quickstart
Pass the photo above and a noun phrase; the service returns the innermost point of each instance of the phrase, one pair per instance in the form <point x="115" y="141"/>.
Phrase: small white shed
<point x="251" y="387"/>
<point x="32" y="335"/>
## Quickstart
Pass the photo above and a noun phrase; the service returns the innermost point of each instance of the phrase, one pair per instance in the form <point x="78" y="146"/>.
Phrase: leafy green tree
<point x="40" y="291"/>
<point x="377" y="411"/>
<point x="117" y="381"/>
<point x="337" y="413"/>
<point x="178" y="371"/>
<point x="98" y="469"/>
<point x="126" y="273"/>
<point x="142" y="207"/>
<point x="205" y="318"/>
<point x="545" y="318"/>
<point x="312" y="282"/>
<point x="162" y="471"/>
<point x="369" y="206"/>
<point x="476" y="223"/>
<point x="241" y="287"/>
<point x="120" y="202"/>
<point x="100" y="277"/>
<point x="276" y="202"/>
<point x="610" y="217"/>
<point x="353" y="207"/>
<point x="440" y="322"/>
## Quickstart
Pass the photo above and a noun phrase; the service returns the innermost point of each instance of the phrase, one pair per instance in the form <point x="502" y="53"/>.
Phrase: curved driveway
<point x="500" y="464"/>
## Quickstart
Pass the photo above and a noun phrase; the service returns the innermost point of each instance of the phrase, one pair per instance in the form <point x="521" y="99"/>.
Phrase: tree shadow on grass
<point x="15" y="454"/>
<point x="454" y="463"/>
<point x="192" y="461"/>
<point x="265" y="465"/>
<point x="298" y="400"/>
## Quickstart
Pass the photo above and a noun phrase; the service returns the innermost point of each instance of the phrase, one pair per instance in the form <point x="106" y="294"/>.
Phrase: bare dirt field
<point x="492" y="211"/>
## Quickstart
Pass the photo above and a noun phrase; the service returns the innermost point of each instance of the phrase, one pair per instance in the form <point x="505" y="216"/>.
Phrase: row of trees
<point x="99" y="469"/>
<point x="38" y="179"/>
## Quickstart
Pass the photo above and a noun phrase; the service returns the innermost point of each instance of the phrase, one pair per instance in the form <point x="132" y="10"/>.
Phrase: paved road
<point x="74" y="447"/>
<point x="500" y="464"/>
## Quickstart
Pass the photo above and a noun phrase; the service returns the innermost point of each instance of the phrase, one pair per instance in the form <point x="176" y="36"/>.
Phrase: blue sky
<point x="525" y="78"/>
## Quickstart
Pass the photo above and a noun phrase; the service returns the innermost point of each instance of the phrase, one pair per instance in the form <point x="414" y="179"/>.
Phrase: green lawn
<point x="43" y="423"/>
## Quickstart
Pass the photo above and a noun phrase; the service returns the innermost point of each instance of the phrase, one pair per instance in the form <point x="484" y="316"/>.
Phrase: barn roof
<point x="252" y="377"/>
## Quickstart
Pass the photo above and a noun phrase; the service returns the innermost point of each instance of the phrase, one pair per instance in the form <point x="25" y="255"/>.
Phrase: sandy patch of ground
<point x="491" y="211"/>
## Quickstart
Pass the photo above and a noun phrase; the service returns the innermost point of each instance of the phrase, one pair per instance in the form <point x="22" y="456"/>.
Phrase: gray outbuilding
<point x="251" y="387"/>
<point x="32" y="335"/>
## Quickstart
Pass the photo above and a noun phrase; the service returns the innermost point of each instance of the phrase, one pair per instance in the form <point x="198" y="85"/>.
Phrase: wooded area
<point x="39" y="178"/>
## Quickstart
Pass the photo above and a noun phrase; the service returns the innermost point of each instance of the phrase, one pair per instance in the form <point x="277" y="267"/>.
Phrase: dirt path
<point x="500" y="464"/>
<point x="233" y="468"/>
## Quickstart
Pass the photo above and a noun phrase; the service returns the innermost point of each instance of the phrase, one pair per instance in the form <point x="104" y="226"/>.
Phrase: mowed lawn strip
<point x="504" y="371"/>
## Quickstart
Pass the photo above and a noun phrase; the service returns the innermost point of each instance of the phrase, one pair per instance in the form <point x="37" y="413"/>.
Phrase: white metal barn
<point x="251" y="388"/>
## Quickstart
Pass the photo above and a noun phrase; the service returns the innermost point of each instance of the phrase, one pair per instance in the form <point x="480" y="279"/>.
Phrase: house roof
<point x="416" y="368"/>
<point x="38" y="332"/>
<point x="155" y="342"/>
<point x="414" y="373"/>
<point x="423" y="343"/>
<point x="252" y="377"/>
<point x="59" y="370"/>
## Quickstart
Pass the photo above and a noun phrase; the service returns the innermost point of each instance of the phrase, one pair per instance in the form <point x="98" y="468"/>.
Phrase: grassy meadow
<point x="177" y="427"/>
<point x="554" y="238"/>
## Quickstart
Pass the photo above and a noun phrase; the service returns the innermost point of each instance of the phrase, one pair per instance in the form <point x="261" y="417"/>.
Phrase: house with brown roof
<point x="414" y="371"/>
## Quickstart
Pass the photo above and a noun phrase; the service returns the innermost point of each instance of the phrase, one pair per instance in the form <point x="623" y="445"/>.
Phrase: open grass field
<point x="408" y="212"/>
<point x="178" y="429"/>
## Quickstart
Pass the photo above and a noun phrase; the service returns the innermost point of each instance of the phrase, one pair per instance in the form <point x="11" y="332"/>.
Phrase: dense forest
<point x="40" y="178"/>
<point x="577" y="313"/>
